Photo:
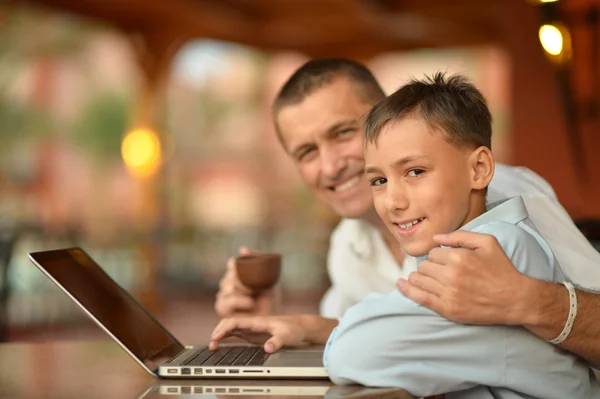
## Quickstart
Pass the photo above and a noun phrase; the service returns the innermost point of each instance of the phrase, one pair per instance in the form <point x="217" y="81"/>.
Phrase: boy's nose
<point x="396" y="199"/>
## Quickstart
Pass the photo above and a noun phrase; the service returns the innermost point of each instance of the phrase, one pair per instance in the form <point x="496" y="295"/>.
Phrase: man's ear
<point x="482" y="166"/>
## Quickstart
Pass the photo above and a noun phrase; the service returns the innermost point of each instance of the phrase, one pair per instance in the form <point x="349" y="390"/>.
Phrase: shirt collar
<point x="511" y="210"/>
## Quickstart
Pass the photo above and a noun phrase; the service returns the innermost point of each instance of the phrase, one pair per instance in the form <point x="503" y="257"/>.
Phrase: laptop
<point x="151" y="344"/>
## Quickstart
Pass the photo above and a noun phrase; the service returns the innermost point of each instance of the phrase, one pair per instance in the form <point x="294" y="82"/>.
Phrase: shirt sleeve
<point x="527" y="250"/>
<point x="331" y="304"/>
<point x="390" y="341"/>
<point x="578" y="259"/>
<point x="343" y="268"/>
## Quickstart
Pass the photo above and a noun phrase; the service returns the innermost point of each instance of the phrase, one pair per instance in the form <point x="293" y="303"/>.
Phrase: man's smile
<point x="344" y="186"/>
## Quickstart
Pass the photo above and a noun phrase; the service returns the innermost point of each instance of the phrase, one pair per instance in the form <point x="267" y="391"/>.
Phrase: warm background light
<point x="551" y="39"/>
<point x="141" y="152"/>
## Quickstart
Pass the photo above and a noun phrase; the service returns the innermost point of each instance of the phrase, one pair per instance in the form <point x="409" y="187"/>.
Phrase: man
<point x="317" y="116"/>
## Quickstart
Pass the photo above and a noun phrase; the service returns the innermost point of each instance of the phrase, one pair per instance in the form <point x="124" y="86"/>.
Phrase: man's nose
<point x="395" y="197"/>
<point x="332" y="164"/>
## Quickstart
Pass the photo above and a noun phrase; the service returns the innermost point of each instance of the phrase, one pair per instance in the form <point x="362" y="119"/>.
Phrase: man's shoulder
<point x="510" y="181"/>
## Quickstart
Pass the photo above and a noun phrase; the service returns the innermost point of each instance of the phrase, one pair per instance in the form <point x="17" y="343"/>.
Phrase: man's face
<point x="421" y="184"/>
<point x="324" y="136"/>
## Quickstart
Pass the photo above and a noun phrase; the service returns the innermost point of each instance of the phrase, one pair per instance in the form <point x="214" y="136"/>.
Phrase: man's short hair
<point x="450" y="104"/>
<point x="320" y="72"/>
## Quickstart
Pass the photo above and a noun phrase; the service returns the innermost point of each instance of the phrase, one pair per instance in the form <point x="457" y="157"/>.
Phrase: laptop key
<point x="231" y="356"/>
<point x="201" y="357"/>
<point x="245" y="357"/>
<point x="216" y="357"/>
<point x="259" y="359"/>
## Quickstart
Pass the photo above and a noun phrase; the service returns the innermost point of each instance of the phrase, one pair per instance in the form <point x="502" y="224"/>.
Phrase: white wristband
<point x="572" y="313"/>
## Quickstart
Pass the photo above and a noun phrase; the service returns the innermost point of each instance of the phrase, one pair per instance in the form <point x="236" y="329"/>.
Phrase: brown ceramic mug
<point x="258" y="272"/>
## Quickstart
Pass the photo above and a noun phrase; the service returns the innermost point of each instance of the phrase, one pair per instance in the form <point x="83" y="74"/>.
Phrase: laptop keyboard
<point x="231" y="356"/>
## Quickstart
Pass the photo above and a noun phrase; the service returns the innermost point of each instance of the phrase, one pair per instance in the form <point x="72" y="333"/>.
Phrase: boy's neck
<point x="478" y="207"/>
<point x="390" y="241"/>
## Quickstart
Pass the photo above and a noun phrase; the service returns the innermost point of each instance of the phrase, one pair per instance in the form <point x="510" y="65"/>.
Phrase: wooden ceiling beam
<point x="373" y="48"/>
<point x="191" y="18"/>
<point x="356" y="22"/>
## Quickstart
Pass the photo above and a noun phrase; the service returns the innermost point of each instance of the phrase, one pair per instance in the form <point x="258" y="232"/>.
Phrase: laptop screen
<point x="109" y="305"/>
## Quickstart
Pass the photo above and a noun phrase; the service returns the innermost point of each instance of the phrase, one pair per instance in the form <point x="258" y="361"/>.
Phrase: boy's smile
<point x="406" y="228"/>
<point x="422" y="185"/>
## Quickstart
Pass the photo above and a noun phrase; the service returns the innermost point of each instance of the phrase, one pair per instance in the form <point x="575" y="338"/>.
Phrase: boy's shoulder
<point x="504" y="232"/>
<point x="524" y="246"/>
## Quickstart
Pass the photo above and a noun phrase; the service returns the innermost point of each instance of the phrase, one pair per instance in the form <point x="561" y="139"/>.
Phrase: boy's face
<point x="421" y="184"/>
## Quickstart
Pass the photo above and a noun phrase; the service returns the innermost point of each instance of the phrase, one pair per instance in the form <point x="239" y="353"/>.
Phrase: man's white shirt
<point x="359" y="261"/>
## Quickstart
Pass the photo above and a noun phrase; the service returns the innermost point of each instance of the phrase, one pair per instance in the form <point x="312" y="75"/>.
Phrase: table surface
<point x="101" y="369"/>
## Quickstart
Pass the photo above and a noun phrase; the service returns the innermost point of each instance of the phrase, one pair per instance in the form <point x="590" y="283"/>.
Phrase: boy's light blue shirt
<point x="388" y="340"/>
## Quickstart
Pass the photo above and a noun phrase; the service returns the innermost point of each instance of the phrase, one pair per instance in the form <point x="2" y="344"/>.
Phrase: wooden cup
<point x="258" y="272"/>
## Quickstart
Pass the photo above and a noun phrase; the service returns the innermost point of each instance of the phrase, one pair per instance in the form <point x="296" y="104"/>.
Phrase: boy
<point x="429" y="162"/>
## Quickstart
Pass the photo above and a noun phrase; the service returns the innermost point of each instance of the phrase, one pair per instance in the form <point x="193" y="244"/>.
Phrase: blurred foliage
<point x="101" y="125"/>
<point x="19" y="122"/>
<point x="28" y="34"/>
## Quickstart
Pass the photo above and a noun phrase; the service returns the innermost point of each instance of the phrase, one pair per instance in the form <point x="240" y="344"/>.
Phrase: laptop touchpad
<point x="296" y="358"/>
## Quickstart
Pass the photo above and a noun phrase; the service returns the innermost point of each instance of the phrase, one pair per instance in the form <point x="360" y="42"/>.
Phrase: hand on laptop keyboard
<point x="273" y="331"/>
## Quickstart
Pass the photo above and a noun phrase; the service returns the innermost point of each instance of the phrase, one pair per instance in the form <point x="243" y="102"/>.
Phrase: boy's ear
<point x="482" y="164"/>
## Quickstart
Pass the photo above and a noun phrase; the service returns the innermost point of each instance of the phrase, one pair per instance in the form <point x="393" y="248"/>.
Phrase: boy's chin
<point x="417" y="250"/>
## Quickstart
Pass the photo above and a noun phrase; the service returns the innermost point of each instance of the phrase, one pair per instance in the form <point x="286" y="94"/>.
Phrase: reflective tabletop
<point x="101" y="369"/>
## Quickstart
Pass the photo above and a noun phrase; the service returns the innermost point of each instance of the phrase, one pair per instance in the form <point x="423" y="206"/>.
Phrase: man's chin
<point x="353" y="211"/>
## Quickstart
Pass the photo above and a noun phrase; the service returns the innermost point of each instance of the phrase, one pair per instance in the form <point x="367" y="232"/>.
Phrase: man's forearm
<point x="548" y="314"/>
<point x="317" y="328"/>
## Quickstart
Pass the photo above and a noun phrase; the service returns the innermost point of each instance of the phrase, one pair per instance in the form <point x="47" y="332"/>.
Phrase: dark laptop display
<point x="124" y="318"/>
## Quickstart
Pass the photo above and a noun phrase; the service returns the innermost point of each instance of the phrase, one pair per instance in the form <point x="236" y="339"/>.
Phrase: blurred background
<point x="141" y="131"/>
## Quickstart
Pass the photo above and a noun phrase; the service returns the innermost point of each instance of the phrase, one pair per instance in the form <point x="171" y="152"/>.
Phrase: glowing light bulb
<point x="141" y="152"/>
<point x="552" y="39"/>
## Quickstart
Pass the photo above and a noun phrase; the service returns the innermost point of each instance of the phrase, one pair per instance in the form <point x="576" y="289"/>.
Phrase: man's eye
<point x="305" y="153"/>
<point x="379" y="181"/>
<point x="345" y="132"/>
<point x="415" y="172"/>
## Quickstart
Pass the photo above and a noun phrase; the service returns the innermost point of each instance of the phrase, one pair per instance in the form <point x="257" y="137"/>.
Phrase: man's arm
<point x="549" y="311"/>
<point x="478" y="284"/>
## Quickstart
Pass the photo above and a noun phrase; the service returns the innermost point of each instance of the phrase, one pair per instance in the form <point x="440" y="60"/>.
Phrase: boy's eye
<point x="379" y="181"/>
<point x="415" y="172"/>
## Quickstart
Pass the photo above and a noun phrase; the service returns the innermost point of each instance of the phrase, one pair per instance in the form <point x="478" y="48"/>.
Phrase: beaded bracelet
<point x="572" y="313"/>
